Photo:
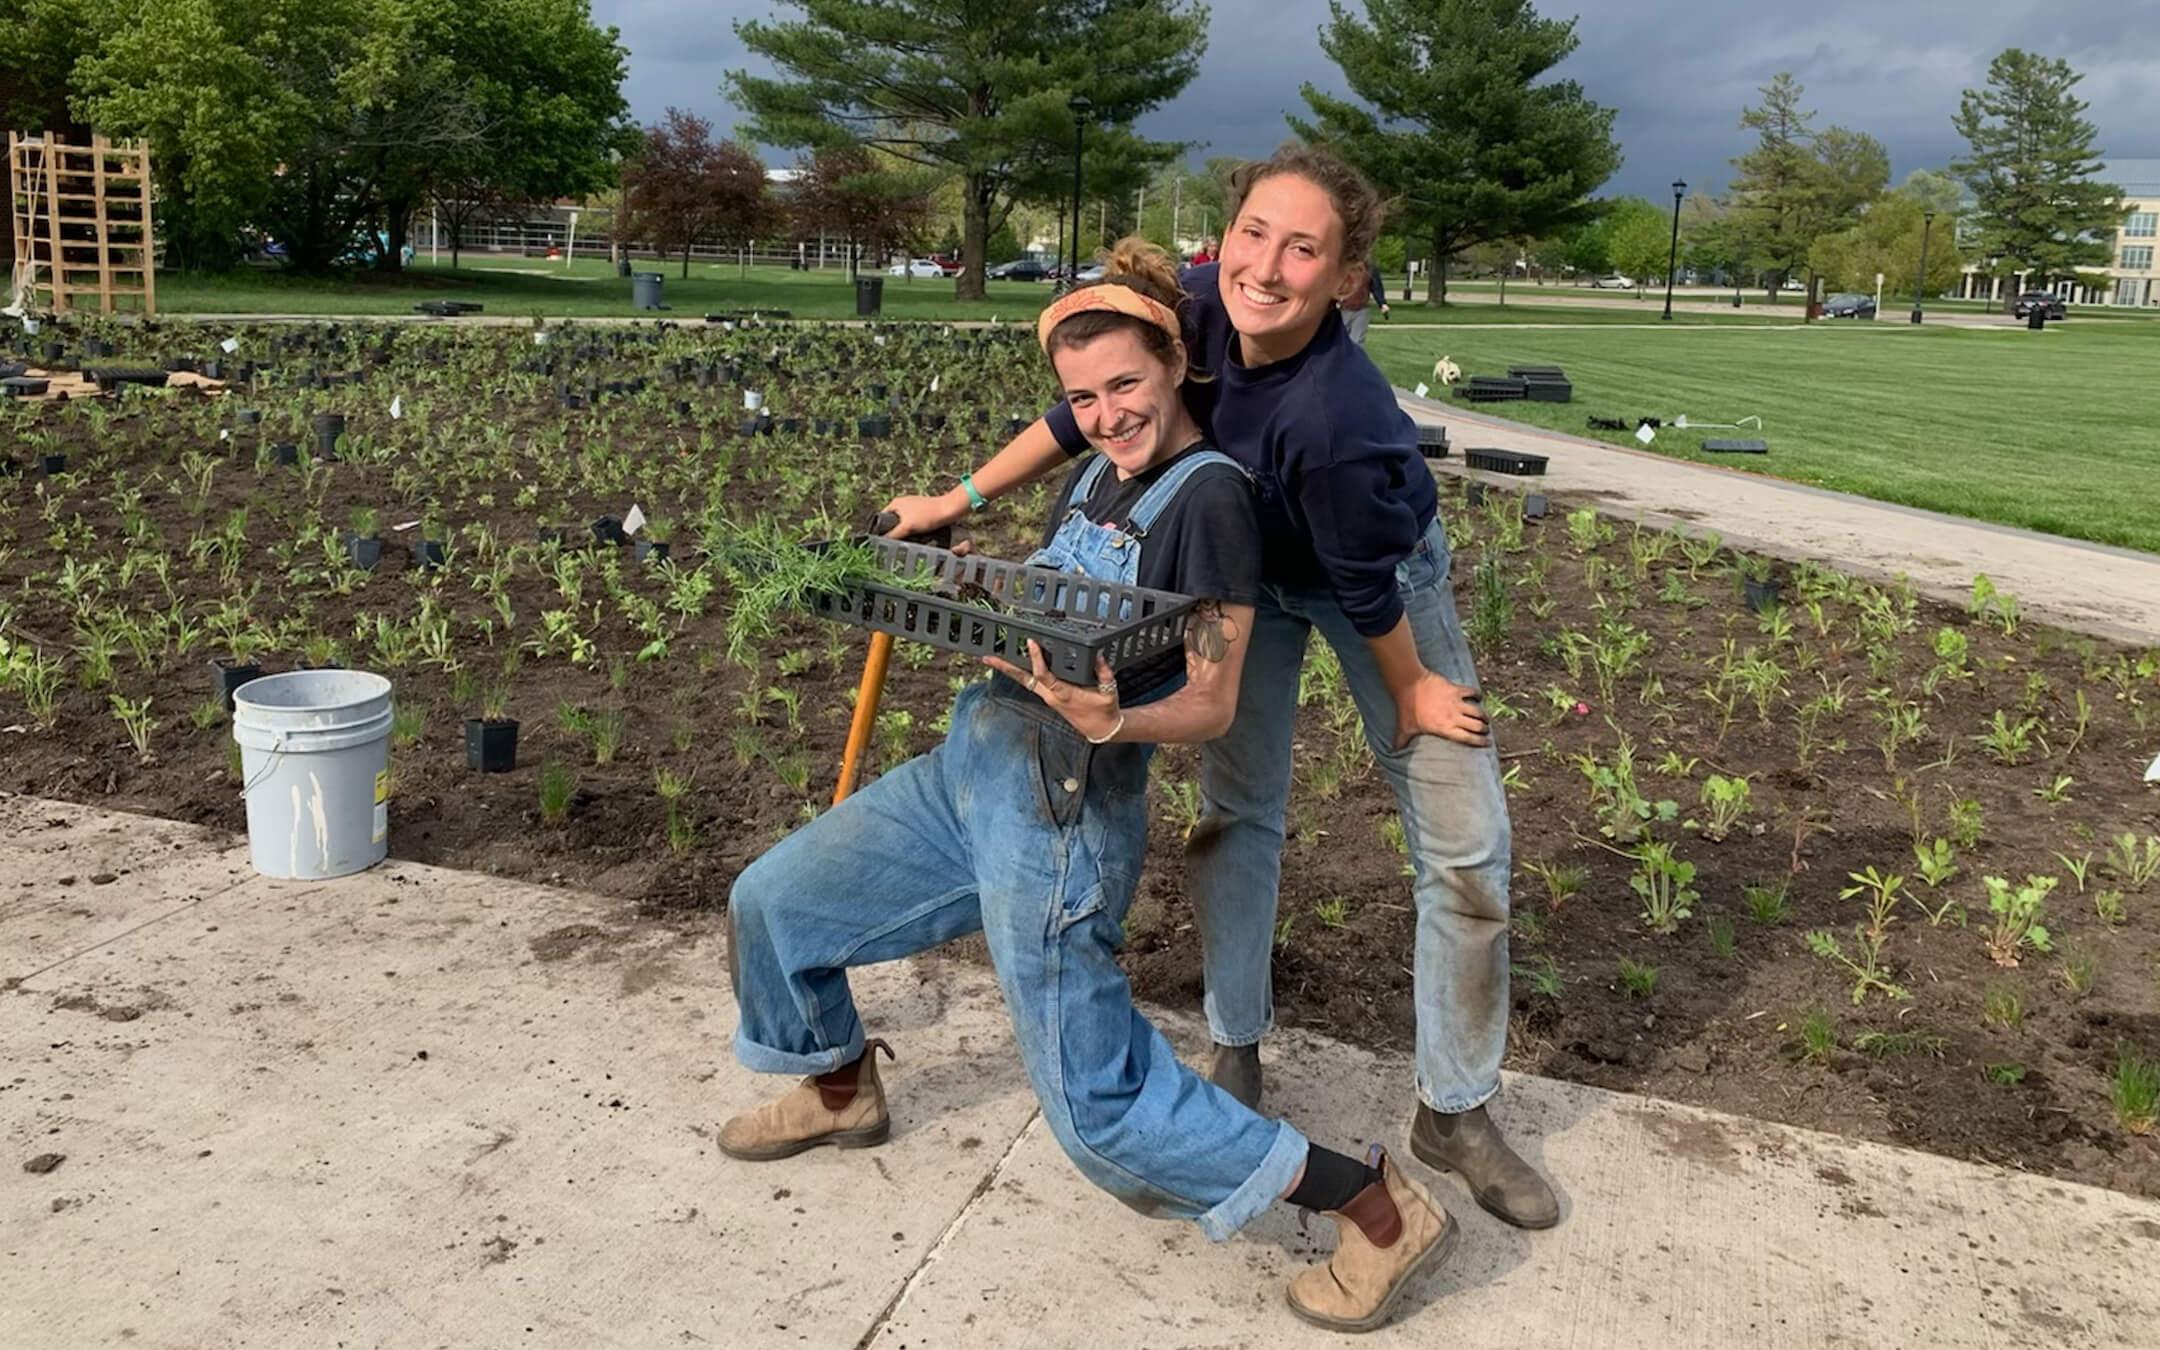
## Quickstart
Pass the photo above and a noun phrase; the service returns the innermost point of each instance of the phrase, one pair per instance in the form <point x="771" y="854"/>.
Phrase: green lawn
<point x="2056" y="431"/>
<point x="589" y="288"/>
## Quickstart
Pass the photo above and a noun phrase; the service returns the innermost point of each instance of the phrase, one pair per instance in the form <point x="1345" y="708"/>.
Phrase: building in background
<point x="2132" y="278"/>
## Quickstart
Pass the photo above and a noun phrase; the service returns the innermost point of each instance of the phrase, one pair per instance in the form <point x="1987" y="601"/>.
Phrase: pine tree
<point x="2038" y="208"/>
<point x="1452" y="125"/>
<point x="978" y="91"/>
<point x="1798" y="184"/>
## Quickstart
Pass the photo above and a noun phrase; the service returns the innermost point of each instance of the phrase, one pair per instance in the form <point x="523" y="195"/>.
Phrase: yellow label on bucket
<point x="382" y="787"/>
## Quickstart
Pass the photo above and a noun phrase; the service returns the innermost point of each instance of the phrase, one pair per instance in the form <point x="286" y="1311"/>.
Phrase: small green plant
<point x="1967" y="825"/>
<point x="1818" y="1037"/>
<point x="365" y="520"/>
<point x="1562" y="880"/>
<point x="2056" y="792"/>
<point x="207" y="713"/>
<point x="1541" y="976"/>
<point x="1720" y="928"/>
<point x="1883" y="894"/>
<point x="134" y="717"/>
<point x="1625" y="814"/>
<point x="2017" y="912"/>
<point x="2009" y="742"/>
<point x="1492" y="607"/>
<point x="2078" y="970"/>
<point x="1936" y="861"/>
<point x="1723" y="802"/>
<point x="407" y="721"/>
<point x="2135" y="864"/>
<point x="1332" y="912"/>
<point x="2008" y="1074"/>
<point x="557" y="787"/>
<point x="1865" y="965"/>
<point x="2108" y="906"/>
<point x="2135" y="1090"/>
<point x="1637" y="979"/>
<point x="1767" y="902"/>
<point x="1665" y="884"/>
<point x="1882" y="1044"/>
<point x="2001" y="1007"/>
<point x="672" y="787"/>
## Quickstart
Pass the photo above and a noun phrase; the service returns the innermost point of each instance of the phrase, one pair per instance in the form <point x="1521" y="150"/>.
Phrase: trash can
<point x="622" y="267"/>
<point x="645" y="290"/>
<point x="2036" y="317"/>
<point x="869" y="295"/>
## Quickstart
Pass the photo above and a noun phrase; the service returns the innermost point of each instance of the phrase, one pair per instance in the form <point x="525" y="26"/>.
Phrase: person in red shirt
<point x="1206" y="254"/>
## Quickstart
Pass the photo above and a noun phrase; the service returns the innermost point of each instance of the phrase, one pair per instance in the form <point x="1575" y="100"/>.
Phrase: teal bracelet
<point x="976" y="501"/>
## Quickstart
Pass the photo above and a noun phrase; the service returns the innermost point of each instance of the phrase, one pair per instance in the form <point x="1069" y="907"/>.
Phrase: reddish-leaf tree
<point x="685" y="189"/>
<point x="844" y="191"/>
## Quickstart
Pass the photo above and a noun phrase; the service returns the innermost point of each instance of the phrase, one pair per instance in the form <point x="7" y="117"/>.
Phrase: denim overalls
<point x="1018" y="828"/>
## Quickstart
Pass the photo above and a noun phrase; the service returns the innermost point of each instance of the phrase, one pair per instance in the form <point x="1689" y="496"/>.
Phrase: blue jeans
<point x="1017" y="827"/>
<point x="1454" y="815"/>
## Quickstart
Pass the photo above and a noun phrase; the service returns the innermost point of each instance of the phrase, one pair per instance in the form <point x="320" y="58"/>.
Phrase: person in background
<point x="1206" y="255"/>
<point x="1357" y="308"/>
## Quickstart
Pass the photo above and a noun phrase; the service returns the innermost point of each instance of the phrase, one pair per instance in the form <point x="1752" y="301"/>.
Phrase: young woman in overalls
<point x="1353" y="547"/>
<point x="1029" y="825"/>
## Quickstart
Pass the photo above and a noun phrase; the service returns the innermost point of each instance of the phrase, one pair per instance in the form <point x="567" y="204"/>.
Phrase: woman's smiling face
<point x="1282" y="267"/>
<point x="1125" y="399"/>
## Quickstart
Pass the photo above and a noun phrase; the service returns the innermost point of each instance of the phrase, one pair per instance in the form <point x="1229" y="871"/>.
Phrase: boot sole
<point x="869" y="1136"/>
<point x="1373" y="1321"/>
<point x="1439" y="1164"/>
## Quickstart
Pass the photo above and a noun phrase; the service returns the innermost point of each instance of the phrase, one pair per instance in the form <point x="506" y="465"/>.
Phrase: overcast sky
<point x="1677" y="71"/>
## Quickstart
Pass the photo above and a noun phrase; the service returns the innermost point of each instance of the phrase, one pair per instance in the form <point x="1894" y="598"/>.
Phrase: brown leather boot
<point x="845" y="1108"/>
<point x="1470" y="1145"/>
<point x="1390" y="1231"/>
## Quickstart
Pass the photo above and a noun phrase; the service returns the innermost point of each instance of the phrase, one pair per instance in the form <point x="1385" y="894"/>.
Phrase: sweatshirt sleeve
<point x="1066" y="428"/>
<point x="1375" y="284"/>
<point x="1361" y="524"/>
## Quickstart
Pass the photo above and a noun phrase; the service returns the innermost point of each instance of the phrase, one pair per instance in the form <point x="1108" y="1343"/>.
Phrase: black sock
<point x="1331" y="1180"/>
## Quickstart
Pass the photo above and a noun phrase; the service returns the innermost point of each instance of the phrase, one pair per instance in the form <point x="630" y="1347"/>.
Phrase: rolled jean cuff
<point x="1221" y="1037"/>
<point x="1456" y="1103"/>
<point x="1263" y="1188"/>
<point x="765" y="1059"/>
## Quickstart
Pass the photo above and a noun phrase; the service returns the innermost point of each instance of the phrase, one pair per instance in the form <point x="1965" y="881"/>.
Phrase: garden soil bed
<point x="2003" y="1064"/>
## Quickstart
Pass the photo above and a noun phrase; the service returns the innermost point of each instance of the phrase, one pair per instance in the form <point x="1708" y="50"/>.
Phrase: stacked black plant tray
<point x="112" y="377"/>
<point x="1543" y="384"/>
<point x="987" y="607"/>
<point x="22" y="386"/>
<point x="1718" y="446"/>
<point x="1505" y="461"/>
<point x="1491" y="389"/>
<point x="448" y="309"/>
<point x="1432" y="441"/>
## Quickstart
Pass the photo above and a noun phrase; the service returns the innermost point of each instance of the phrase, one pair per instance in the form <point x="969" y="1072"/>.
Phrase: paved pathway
<point x="2091" y="588"/>
<point x="422" y="1108"/>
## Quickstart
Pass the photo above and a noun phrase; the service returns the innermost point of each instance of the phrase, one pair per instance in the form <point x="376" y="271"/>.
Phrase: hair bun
<point x="1144" y="266"/>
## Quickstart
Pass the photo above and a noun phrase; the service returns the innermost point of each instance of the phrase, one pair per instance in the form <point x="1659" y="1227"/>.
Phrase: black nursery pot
<point x="248" y="417"/>
<point x="226" y="676"/>
<point x="608" y="530"/>
<point x="873" y="428"/>
<point x="491" y="747"/>
<point x="364" y="553"/>
<point x="651" y="550"/>
<point x="53" y="464"/>
<point x="51" y="351"/>
<point x="428" y="553"/>
<point x="1014" y="426"/>
<point x="285" y="452"/>
<point x="328" y="427"/>
<point x="1761" y="595"/>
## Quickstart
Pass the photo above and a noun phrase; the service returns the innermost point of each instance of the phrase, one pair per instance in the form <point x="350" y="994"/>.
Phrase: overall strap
<point x="1164" y="490"/>
<point x="1089" y="477"/>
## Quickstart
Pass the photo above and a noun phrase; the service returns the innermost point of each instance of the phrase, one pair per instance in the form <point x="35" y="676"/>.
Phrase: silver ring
<point x="1031" y="684"/>
<point x="1106" y="687"/>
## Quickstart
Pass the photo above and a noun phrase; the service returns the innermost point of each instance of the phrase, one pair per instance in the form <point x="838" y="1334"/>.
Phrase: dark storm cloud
<point x="1677" y="72"/>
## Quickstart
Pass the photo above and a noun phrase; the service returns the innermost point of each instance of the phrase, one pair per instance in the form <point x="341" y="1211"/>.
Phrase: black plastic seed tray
<point x="988" y="607"/>
<point x="1545" y="390"/>
<point x="1505" y="461"/>
<point x="1537" y="373"/>
<point x="448" y="309"/>
<point x="1432" y="441"/>
<point x="22" y="386"/>
<point x="1490" y="389"/>
<point x="111" y="377"/>
<point x="1716" y="446"/>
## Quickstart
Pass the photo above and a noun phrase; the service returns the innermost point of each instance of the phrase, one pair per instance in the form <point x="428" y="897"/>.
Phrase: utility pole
<point x="1177" y="208"/>
<point x="1140" y="213"/>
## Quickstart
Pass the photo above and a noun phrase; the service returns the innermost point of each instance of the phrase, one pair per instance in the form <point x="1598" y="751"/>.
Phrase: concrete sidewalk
<point x="2090" y="588"/>
<point x="425" y="1108"/>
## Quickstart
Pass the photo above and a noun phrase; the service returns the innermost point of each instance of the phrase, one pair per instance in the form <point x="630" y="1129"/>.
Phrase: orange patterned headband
<point x="1111" y="296"/>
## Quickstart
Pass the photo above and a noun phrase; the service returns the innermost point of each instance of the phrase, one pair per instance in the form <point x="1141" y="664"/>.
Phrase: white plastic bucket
<point x="315" y="769"/>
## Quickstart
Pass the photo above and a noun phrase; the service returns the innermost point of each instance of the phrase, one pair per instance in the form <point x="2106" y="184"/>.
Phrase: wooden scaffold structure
<point x="81" y="217"/>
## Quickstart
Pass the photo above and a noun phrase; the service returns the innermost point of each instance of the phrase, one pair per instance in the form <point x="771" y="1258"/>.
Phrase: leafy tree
<point x="1641" y="240"/>
<point x="1887" y="240"/>
<point x="684" y="188"/>
<point x="1935" y="191"/>
<point x="1706" y="235"/>
<point x="976" y="90"/>
<point x="1797" y="184"/>
<point x="1454" y="125"/>
<point x="2038" y="208"/>
<point x="1588" y="247"/>
<point x="845" y="190"/>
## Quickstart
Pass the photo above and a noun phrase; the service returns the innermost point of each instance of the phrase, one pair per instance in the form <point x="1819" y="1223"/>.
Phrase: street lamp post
<point x="1927" y="227"/>
<point x="1081" y="106"/>
<point x="1672" y="258"/>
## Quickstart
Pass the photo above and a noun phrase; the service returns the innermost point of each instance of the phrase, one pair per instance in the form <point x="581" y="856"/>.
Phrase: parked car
<point x="2031" y="300"/>
<point x="1849" y="305"/>
<point x="917" y="267"/>
<point x="1020" y="269"/>
<point x="1091" y="272"/>
<point x="1615" y="282"/>
<point x="950" y="266"/>
<point x="1793" y="284"/>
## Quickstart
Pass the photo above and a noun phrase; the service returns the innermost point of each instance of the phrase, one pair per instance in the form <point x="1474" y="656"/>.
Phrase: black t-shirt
<point x="1205" y="544"/>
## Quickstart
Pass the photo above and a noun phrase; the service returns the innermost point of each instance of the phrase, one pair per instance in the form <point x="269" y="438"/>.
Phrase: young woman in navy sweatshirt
<point x="1352" y="546"/>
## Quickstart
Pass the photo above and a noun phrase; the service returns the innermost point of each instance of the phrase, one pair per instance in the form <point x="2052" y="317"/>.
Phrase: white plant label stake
<point x="229" y="346"/>
<point x="397" y="407"/>
<point x="633" y="519"/>
<point x="1644" y="434"/>
<point x="1421" y="390"/>
<point x="2152" y="770"/>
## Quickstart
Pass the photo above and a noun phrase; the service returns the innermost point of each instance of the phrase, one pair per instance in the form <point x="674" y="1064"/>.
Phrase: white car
<point x="1615" y="282"/>
<point x="1091" y="272"/>
<point x="919" y="267"/>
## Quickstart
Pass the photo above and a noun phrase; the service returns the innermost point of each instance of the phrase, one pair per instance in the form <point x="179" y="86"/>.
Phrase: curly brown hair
<point x="1139" y="265"/>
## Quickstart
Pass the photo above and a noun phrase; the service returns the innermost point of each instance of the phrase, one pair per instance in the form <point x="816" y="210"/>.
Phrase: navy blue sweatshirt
<point x="1343" y="494"/>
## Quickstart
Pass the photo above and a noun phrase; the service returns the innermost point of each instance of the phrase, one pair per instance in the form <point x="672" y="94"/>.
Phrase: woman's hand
<point x="1091" y="709"/>
<point x="1437" y="706"/>
<point x="921" y="515"/>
